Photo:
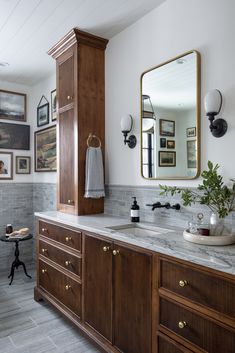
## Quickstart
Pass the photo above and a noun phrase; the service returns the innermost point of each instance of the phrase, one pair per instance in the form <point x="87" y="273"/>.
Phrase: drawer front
<point x="68" y="261"/>
<point x="62" y="287"/>
<point x="195" y="329"/>
<point x="199" y="287"/>
<point x="62" y="235"/>
<point x="166" y="345"/>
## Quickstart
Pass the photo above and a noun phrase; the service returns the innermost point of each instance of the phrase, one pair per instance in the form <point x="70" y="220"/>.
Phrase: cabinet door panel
<point x="65" y="78"/>
<point x="66" y="158"/>
<point x="98" y="285"/>
<point x="132" y="300"/>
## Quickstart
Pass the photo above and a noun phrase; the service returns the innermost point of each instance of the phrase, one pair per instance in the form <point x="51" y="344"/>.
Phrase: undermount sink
<point x="139" y="230"/>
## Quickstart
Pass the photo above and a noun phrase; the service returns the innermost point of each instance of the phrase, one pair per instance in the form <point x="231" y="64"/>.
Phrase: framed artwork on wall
<point x="23" y="165"/>
<point x="191" y="131"/>
<point x="167" y="127"/>
<point x="162" y="142"/>
<point x="53" y="105"/>
<point x="166" y="159"/>
<point x="6" y="165"/>
<point x="12" y="106"/>
<point x="170" y="144"/>
<point x="191" y="154"/>
<point x="14" y="136"/>
<point x="43" y="115"/>
<point x="45" y="150"/>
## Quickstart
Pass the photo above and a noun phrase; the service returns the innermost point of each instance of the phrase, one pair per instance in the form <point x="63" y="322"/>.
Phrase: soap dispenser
<point x="135" y="209"/>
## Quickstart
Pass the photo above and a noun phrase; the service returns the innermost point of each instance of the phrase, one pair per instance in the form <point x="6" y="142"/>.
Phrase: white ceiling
<point x="28" y="28"/>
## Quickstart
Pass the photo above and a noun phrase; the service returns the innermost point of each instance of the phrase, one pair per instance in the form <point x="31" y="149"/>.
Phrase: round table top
<point x="8" y="239"/>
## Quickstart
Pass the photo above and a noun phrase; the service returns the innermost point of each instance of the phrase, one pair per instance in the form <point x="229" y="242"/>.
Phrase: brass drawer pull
<point x="115" y="252"/>
<point x="106" y="248"/>
<point x="44" y="230"/>
<point x="69" y="98"/>
<point x="44" y="251"/>
<point x="44" y="270"/>
<point x="183" y="283"/>
<point x="67" y="239"/>
<point x="67" y="263"/>
<point x="182" y="324"/>
<point x="70" y="202"/>
<point x="67" y="287"/>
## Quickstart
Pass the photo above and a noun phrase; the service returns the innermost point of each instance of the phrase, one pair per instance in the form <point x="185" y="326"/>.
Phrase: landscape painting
<point x="45" y="150"/>
<point x="12" y="106"/>
<point x="14" y="136"/>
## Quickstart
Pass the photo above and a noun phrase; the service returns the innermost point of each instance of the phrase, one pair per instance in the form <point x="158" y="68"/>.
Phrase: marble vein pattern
<point x="30" y="327"/>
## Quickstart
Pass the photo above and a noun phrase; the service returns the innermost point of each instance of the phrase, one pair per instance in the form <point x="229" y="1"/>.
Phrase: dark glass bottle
<point x="135" y="217"/>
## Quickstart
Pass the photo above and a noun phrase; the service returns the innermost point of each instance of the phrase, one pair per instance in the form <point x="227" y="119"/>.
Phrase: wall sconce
<point x="213" y="104"/>
<point x="126" y="127"/>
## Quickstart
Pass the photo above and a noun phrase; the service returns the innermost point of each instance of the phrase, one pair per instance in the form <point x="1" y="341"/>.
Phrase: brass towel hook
<point x="91" y="137"/>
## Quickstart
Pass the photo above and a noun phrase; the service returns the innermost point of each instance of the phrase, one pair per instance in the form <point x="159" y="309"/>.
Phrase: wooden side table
<point x="17" y="262"/>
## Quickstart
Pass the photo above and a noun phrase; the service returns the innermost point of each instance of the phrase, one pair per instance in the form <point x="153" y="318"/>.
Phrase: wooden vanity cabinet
<point x="80" y="93"/>
<point x="117" y="293"/>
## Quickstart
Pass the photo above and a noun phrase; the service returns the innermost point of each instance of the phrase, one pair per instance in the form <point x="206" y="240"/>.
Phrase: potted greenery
<point x="212" y="193"/>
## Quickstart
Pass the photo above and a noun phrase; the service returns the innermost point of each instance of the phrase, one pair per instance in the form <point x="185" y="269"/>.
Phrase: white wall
<point x="171" y="29"/>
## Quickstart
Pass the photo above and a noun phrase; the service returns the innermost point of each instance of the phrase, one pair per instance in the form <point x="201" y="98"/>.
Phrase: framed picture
<point x="6" y="165"/>
<point x="53" y="105"/>
<point x="162" y="142"/>
<point x="43" y="114"/>
<point x="170" y="144"/>
<point x="23" y="165"/>
<point x="45" y="150"/>
<point x="166" y="159"/>
<point x="191" y="154"/>
<point x="14" y="136"/>
<point x="191" y="131"/>
<point x="167" y="127"/>
<point x="12" y="106"/>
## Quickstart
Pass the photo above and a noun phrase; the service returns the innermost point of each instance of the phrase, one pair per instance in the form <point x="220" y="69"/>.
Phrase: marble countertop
<point x="171" y="242"/>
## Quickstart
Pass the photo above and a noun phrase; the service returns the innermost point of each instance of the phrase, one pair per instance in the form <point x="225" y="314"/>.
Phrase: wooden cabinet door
<point x="67" y="159"/>
<point x="132" y="300"/>
<point x="66" y="77"/>
<point x="98" y="285"/>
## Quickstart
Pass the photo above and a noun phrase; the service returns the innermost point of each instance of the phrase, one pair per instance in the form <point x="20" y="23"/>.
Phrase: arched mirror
<point x="170" y="119"/>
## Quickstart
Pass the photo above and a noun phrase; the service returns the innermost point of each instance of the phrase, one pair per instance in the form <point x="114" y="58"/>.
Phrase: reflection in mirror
<point x="170" y="119"/>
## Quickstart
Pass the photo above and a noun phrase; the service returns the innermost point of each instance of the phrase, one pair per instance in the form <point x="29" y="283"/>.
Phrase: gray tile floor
<point x="30" y="327"/>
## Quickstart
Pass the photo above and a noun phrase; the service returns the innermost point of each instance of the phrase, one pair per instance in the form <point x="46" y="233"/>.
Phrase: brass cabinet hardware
<point x="69" y="98"/>
<point x="182" y="324"/>
<point x="115" y="252"/>
<point x="44" y="251"/>
<point x="44" y="270"/>
<point x="70" y="202"/>
<point x="67" y="287"/>
<point x="183" y="283"/>
<point x="67" y="239"/>
<point x="67" y="263"/>
<point x="44" y="230"/>
<point x="106" y="248"/>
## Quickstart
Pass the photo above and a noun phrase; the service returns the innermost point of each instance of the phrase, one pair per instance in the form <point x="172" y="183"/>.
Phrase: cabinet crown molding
<point x="79" y="37"/>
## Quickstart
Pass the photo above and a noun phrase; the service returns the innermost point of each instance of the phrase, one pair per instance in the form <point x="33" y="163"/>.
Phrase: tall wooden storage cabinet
<point x="80" y="93"/>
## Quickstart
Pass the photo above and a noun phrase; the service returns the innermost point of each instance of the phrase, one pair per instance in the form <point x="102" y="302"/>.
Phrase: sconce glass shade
<point x="213" y="102"/>
<point x="126" y="123"/>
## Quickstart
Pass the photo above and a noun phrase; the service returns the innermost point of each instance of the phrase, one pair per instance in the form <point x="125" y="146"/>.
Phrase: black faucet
<point x="166" y="205"/>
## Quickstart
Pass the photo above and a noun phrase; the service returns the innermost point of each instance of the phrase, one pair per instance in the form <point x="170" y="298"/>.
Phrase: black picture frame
<point x="13" y="105"/>
<point x="25" y="168"/>
<point x="45" y="158"/>
<point x="43" y="115"/>
<point x="167" y="159"/>
<point x="167" y="127"/>
<point x="162" y="142"/>
<point x="53" y="105"/>
<point x="191" y="131"/>
<point x="14" y="136"/>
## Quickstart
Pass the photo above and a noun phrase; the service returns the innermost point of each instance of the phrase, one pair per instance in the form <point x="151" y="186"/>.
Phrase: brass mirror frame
<point x="198" y="116"/>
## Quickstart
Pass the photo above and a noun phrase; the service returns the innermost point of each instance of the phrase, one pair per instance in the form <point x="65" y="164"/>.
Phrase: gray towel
<point x="94" y="183"/>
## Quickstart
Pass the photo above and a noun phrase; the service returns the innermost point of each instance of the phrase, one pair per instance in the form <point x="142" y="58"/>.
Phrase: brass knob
<point x="183" y="283"/>
<point x="67" y="239"/>
<point x="67" y="287"/>
<point x="67" y="263"/>
<point x="182" y="324"/>
<point x="44" y="230"/>
<point x="69" y="97"/>
<point x="44" y="250"/>
<point x="115" y="252"/>
<point x="106" y="248"/>
<point x="44" y="270"/>
<point x="70" y="202"/>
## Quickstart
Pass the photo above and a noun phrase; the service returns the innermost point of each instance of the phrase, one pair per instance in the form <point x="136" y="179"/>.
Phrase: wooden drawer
<point x="203" y="288"/>
<point x="68" y="237"/>
<point x="70" y="262"/>
<point x="62" y="287"/>
<point x="203" y="333"/>
<point x="166" y="345"/>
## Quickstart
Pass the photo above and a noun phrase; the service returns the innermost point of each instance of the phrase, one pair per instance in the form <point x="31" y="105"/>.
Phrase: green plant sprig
<point x="212" y="192"/>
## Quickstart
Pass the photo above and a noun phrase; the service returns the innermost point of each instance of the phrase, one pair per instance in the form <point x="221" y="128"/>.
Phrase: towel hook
<point x="90" y="137"/>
